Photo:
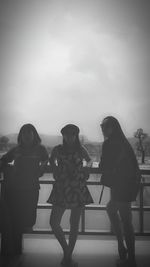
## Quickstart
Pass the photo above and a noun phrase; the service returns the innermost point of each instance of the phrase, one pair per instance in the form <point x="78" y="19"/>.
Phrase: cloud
<point x="74" y="61"/>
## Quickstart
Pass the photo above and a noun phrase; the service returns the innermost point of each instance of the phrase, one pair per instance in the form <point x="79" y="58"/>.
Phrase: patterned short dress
<point x="69" y="189"/>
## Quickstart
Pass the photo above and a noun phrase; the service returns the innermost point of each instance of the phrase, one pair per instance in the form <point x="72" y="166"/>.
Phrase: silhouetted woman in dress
<point x="20" y="190"/>
<point x="69" y="190"/>
<point x="121" y="173"/>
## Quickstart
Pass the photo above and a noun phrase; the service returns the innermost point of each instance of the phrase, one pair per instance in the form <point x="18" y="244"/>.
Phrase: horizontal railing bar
<point x="92" y="170"/>
<point x="86" y="232"/>
<point x="146" y="208"/>
<point x="145" y="184"/>
<point x="46" y="231"/>
<point x="93" y="207"/>
<point x="48" y="181"/>
<point x="96" y="170"/>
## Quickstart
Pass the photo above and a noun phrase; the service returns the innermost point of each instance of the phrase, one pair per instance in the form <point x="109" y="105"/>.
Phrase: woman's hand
<point x="43" y="165"/>
<point x="55" y="171"/>
<point x="89" y="163"/>
<point x="86" y="172"/>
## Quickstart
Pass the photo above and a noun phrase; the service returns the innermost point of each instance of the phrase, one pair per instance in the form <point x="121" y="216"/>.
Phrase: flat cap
<point x="70" y="129"/>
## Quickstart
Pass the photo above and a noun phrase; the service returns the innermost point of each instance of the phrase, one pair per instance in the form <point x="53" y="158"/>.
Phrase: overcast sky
<point x="74" y="62"/>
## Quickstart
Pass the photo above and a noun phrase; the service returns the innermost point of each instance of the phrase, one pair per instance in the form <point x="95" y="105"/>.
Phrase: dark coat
<point x="20" y="188"/>
<point x="120" y="169"/>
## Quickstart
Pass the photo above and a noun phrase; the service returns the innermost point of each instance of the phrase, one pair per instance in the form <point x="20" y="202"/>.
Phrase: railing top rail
<point x="92" y="170"/>
<point x="96" y="170"/>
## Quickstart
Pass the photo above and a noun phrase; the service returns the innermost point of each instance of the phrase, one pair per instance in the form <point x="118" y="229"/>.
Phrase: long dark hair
<point x="119" y="136"/>
<point x="76" y="146"/>
<point x="29" y="127"/>
<point x="71" y="129"/>
<point x="116" y="128"/>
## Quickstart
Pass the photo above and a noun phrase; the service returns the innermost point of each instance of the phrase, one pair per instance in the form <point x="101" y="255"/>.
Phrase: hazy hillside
<point x="56" y="139"/>
<point x="94" y="148"/>
<point x="47" y="140"/>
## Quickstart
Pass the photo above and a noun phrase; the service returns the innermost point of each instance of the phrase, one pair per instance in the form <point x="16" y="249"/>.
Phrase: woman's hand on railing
<point x="89" y="163"/>
<point x="86" y="172"/>
<point x="100" y="167"/>
<point x="43" y="166"/>
<point x="55" y="171"/>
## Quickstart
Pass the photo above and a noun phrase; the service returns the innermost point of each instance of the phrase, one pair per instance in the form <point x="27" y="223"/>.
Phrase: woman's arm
<point x="101" y="163"/>
<point x="86" y="157"/>
<point x="7" y="158"/>
<point x="89" y="162"/>
<point x="121" y="155"/>
<point x="43" y="159"/>
<point x="53" y="158"/>
<point x="112" y="156"/>
<point x="53" y="162"/>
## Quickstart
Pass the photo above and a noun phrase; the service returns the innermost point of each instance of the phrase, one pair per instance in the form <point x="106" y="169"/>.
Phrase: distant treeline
<point x="94" y="148"/>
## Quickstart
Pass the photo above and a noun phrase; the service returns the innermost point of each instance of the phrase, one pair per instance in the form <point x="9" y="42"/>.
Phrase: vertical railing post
<point x="141" y="221"/>
<point x="83" y="221"/>
<point x="111" y="227"/>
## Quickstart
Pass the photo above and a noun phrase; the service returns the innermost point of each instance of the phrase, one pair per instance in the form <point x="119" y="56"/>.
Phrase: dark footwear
<point x="5" y="261"/>
<point x="63" y="262"/>
<point x="123" y="253"/>
<point x="121" y="263"/>
<point x="68" y="263"/>
<point x="130" y="263"/>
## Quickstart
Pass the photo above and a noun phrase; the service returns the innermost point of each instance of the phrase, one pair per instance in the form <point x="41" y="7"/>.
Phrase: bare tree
<point x="141" y="136"/>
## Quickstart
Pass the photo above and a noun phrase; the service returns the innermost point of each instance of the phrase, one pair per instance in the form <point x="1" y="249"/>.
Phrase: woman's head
<point x="28" y="135"/>
<point x="70" y="135"/>
<point x="111" y="127"/>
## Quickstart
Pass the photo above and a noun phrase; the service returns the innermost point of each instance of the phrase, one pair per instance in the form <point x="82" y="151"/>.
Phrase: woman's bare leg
<point x="55" y="220"/>
<point x="112" y="210"/>
<point x="74" y="227"/>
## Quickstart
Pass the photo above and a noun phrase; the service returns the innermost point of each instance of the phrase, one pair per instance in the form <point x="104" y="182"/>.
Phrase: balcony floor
<point x="95" y="251"/>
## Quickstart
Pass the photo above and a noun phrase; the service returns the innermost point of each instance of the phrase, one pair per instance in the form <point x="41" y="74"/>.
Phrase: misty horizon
<point x="83" y="138"/>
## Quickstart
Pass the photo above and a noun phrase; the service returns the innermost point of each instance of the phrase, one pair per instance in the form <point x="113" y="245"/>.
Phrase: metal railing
<point x="83" y="231"/>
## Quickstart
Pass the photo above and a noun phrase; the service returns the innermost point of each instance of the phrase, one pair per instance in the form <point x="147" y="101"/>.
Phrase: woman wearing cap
<point x="121" y="173"/>
<point x="69" y="190"/>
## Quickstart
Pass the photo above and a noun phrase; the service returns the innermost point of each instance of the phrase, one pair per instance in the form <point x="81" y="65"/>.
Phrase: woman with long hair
<point x="22" y="166"/>
<point x="121" y="173"/>
<point x="69" y="190"/>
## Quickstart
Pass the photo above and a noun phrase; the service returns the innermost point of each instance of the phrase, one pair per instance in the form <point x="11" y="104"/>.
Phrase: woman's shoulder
<point x="41" y="150"/>
<point x="41" y="147"/>
<point x="85" y="153"/>
<point x="11" y="153"/>
<point x="106" y="143"/>
<point x="113" y="142"/>
<point x="13" y="150"/>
